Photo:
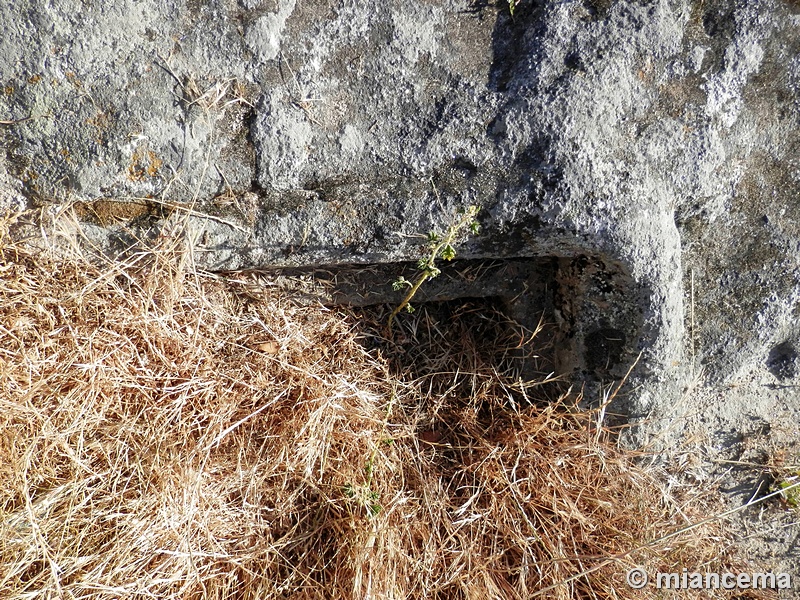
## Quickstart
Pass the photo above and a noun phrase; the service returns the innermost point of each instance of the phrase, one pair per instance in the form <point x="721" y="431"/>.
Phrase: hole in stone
<point x="462" y="347"/>
<point x="783" y="361"/>
<point x="604" y="348"/>
<point x="574" y="62"/>
<point x="583" y="308"/>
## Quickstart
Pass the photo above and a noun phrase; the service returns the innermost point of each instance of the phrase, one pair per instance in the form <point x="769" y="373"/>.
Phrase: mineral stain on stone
<point x="109" y="212"/>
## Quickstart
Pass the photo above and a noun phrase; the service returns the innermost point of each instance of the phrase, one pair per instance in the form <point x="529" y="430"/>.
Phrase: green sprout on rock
<point x="438" y="246"/>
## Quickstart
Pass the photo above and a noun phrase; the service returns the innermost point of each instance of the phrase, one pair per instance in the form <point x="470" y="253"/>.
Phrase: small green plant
<point x="512" y="6"/>
<point x="364" y="496"/>
<point x="790" y="492"/>
<point x="439" y="246"/>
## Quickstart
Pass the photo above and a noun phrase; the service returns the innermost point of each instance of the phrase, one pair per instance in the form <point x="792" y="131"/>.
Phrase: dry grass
<point x="164" y="436"/>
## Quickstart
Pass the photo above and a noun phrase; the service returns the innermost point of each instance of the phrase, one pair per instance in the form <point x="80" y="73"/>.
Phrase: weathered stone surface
<point x="118" y="95"/>
<point x="651" y="140"/>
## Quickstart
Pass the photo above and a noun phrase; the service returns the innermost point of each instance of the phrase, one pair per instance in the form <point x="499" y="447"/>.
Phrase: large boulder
<point x="638" y="149"/>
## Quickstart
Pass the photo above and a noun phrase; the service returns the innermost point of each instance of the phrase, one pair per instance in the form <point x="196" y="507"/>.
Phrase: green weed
<point x="789" y="490"/>
<point x="439" y="246"/>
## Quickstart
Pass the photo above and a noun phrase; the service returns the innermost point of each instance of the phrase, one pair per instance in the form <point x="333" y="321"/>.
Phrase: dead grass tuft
<point x="165" y="436"/>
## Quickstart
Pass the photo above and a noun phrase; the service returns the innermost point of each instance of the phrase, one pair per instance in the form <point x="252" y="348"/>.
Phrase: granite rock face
<point x="636" y="146"/>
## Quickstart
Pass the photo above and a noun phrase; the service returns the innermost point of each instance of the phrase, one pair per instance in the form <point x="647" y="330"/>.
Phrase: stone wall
<point x="657" y="141"/>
